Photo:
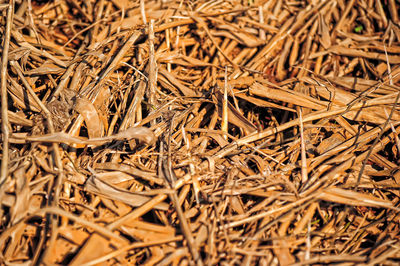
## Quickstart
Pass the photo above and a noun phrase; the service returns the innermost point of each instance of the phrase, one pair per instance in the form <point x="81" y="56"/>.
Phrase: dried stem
<point x="5" y="126"/>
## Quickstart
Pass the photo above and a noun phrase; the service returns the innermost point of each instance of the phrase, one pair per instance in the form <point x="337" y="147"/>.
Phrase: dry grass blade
<point x="353" y="198"/>
<point x="142" y="134"/>
<point x="97" y="186"/>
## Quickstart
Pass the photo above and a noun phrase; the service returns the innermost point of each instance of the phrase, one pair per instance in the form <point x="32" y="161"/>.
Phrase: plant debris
<point x="206" y="132"/>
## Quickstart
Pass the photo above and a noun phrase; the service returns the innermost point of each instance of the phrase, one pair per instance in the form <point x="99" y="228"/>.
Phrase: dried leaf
<point x="97" y="186"/>
<point x="89" y="113"/>
<point x="140" y="133"/>
<point x="349" y="197"/>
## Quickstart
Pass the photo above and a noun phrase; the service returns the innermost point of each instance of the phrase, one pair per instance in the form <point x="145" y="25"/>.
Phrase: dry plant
<point x="200" y="132"/>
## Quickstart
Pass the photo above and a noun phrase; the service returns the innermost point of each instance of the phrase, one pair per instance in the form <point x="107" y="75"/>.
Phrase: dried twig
<point x="4" y="103"/>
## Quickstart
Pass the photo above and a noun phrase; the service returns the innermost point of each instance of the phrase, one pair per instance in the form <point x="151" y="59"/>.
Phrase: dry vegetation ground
<point x="206" y="132"/>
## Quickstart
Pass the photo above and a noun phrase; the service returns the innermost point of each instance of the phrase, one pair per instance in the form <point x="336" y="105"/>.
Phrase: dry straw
<point x="200" y="132"/>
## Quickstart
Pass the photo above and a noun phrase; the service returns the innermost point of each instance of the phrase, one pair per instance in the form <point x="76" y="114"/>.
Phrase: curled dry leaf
<point x="89" y="113"/>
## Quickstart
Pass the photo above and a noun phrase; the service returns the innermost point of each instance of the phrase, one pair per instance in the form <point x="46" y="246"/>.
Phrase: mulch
<point x="200" y="132"/>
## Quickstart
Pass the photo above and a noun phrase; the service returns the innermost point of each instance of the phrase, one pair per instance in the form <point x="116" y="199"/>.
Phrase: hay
<point x="206" y="132"/>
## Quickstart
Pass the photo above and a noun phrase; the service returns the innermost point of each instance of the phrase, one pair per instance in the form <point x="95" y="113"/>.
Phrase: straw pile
<point x="206" y="132"/>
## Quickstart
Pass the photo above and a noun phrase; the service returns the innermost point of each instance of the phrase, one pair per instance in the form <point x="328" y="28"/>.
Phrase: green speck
<point x="358" y="29"/>
<point x="315" y="222"/>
